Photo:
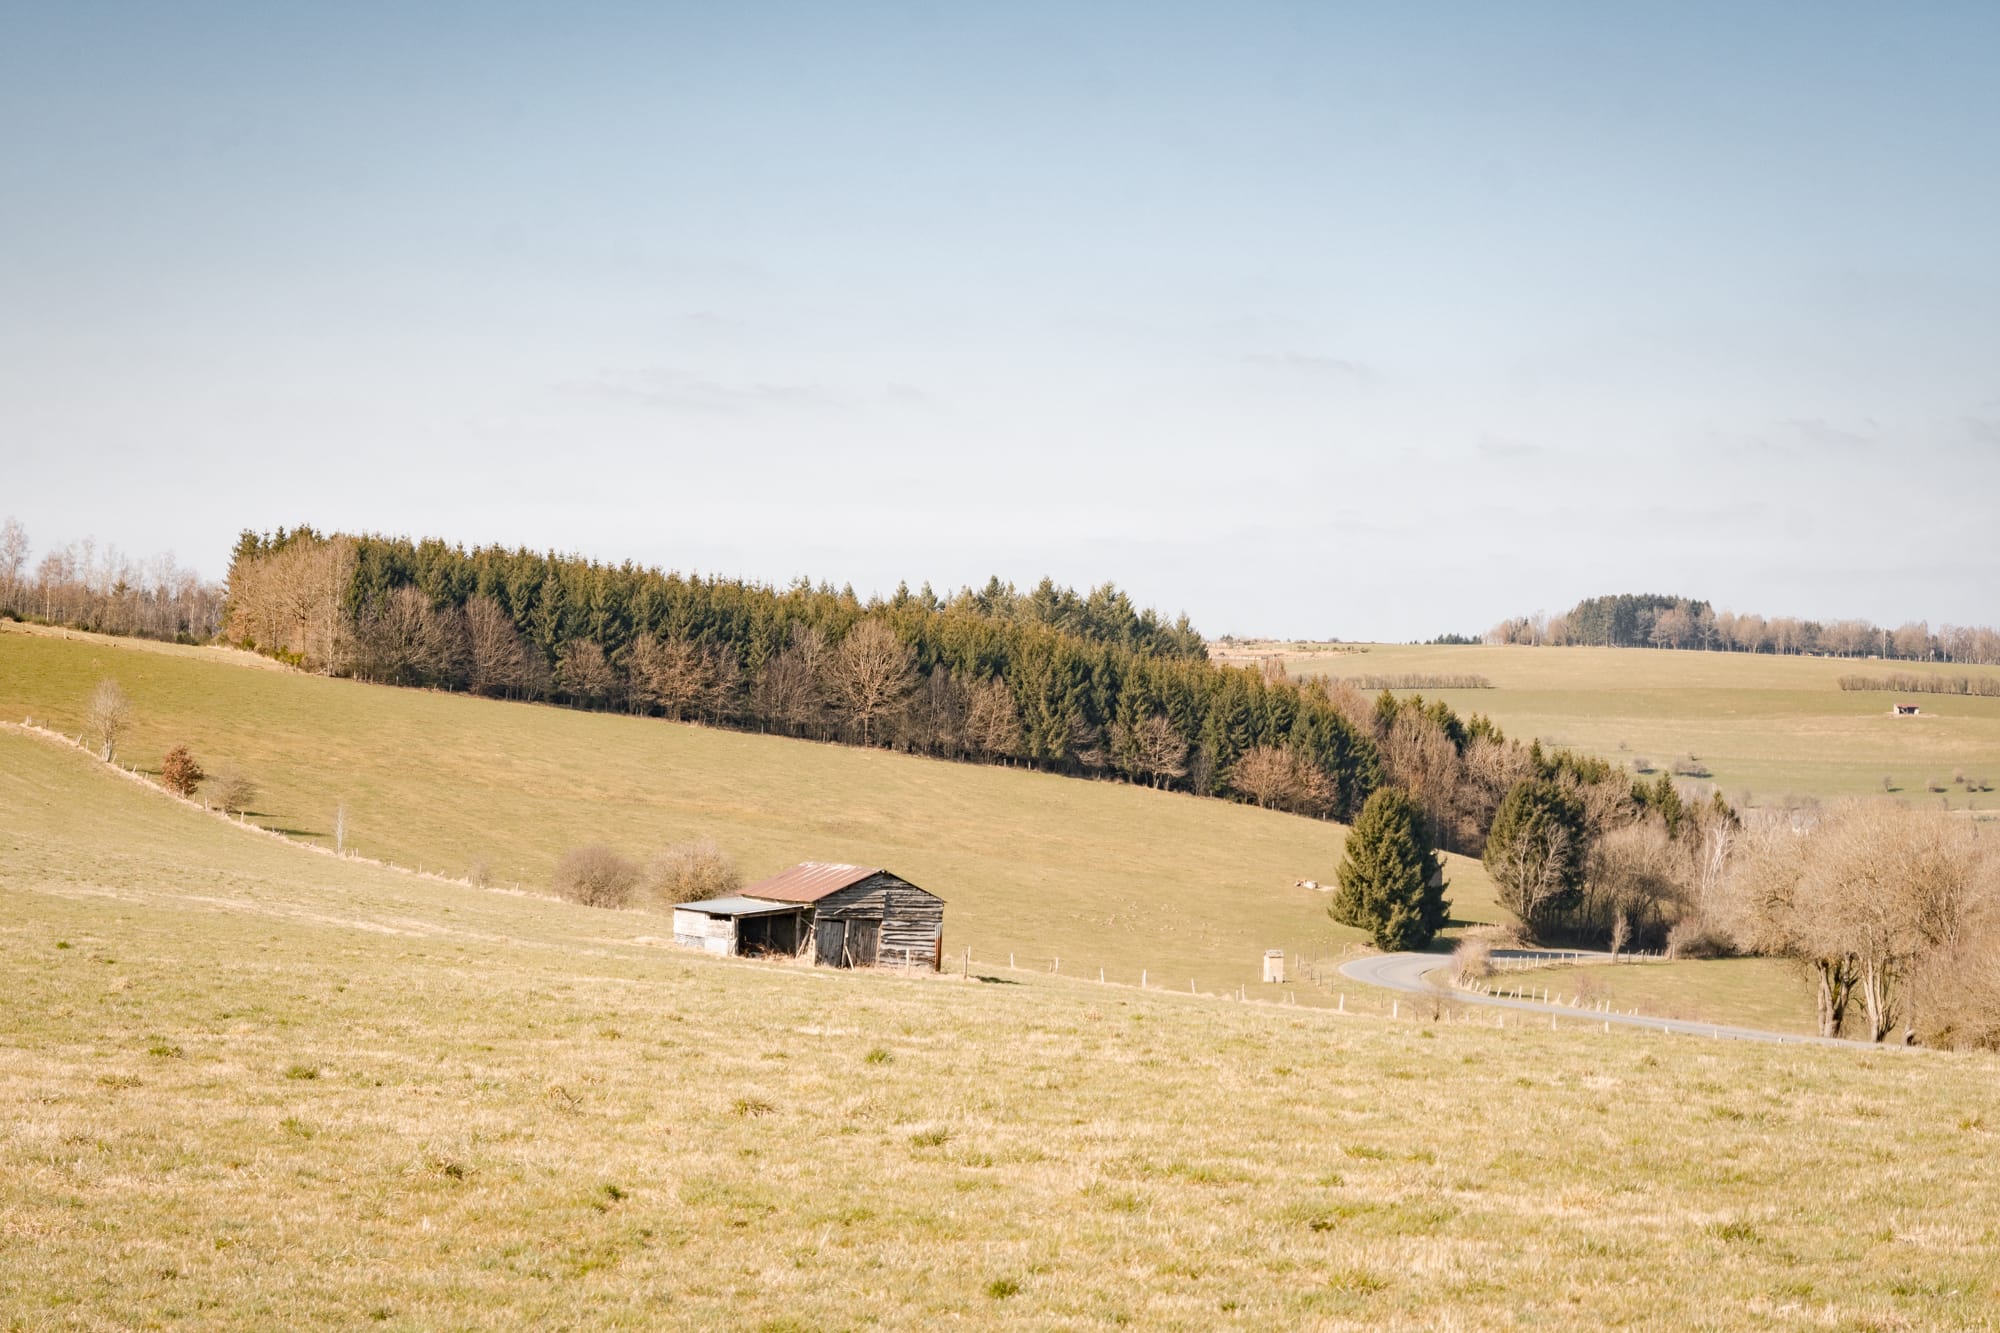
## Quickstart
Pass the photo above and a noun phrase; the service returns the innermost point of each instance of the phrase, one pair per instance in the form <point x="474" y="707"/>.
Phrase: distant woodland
<point x="1053" y="679"/>
<point x="1048" y="678"/>
<point x="94" y="588"/>
<point x="1084" y="684"/>
<point x="1649" y="620"/>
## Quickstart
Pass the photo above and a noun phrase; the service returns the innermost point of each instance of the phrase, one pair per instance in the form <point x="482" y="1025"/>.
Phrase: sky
<point x="1369" y="321"/>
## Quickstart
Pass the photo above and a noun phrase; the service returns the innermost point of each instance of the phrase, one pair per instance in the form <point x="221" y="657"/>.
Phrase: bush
<point x="1688" y="766"/>
<point x="1698" y="939"/>
<point x="232" y="790"/>
<point x="596" y="876"/>
<point x="690" y="871"/>
<point x="1472" y="960"/>
<point x="180" y="772"/>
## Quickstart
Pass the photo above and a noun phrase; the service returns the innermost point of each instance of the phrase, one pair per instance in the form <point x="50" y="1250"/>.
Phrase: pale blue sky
<point x="1314" y="319"/>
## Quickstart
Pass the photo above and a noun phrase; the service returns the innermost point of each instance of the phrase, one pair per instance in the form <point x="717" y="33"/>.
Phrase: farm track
<point x="1409" y="973"/>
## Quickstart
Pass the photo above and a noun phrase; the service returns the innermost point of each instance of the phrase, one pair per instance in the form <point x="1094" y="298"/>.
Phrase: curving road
<point x="1407" y="972"/>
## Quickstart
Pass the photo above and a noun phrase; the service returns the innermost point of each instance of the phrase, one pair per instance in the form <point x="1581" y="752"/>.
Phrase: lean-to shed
<point x="858" y="916"/>
<point x="738" y="925"/>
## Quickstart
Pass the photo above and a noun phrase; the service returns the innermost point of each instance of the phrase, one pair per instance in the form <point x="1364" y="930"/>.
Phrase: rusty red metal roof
<point x="809" y="881"/>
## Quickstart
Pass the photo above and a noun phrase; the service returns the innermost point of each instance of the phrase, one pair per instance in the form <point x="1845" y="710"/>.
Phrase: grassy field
<point x="1768" y="726"/>
<point x="244" y="1084"/>
<point x="1765" y="993"/>
<point x="1048" y="869"/>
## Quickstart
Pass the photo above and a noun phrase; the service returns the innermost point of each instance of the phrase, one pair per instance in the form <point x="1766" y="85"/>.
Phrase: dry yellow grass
<point x="1766" y="726"/>
<point x="1044" y="868"/>
<point x="244" y="1085"/>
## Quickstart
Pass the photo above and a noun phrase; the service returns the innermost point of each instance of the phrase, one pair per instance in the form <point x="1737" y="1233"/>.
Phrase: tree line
<point x="1650" y="620"/>
<point x="1909" y="682"/>
<point x="87" y="587"/>
<point x="1054" y="679"/>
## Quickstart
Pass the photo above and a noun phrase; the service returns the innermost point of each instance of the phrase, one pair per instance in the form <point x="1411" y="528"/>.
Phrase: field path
<point x="1409" y="972"/>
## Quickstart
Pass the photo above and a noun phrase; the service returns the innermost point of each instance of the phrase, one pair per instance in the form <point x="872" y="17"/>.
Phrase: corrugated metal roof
<point x="809" y="881"/>
<point x="736" y="905"/>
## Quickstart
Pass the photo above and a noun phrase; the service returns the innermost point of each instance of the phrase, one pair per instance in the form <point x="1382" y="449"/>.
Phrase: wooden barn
<point x="851" y="916"/>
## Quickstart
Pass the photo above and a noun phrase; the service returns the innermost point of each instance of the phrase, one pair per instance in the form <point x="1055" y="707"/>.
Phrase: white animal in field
<point x="1307" y="884"/>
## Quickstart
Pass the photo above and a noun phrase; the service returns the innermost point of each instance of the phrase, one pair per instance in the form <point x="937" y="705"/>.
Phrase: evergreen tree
<point x="1391" y="881"/>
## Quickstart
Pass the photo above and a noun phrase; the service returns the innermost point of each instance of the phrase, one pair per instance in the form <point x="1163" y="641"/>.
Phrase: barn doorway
<point x="777" y="933"/>
<point x="847" y="941"/>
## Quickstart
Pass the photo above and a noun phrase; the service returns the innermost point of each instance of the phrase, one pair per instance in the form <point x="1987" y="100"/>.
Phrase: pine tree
<point x="1391" y="882"/>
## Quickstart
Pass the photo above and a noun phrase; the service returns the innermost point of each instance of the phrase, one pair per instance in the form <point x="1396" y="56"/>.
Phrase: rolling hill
<point x="1055" y="871"/>
<point x="1766" y="728"/>
<point x="246" y="1083"/>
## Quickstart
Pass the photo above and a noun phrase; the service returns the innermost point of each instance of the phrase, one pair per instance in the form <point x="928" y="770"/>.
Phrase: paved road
<point x="1406" y="972"/>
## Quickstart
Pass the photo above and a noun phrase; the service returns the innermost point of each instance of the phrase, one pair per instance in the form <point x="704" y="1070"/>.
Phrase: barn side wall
<point x="698" y="930"/>
<point x="912" y="920"/>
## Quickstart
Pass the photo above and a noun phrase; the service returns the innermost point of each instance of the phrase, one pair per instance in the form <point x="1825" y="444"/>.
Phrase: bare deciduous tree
<point x="232" y="790"/>
<point x="1424" y="762"/>
<point x="871" y="672"/>
<point x="13" y="559"/>
<point x="1265" y="774"/>
<point x="1866" y="897"/>
<point x="109" y="717"/>
<point x="992" y="721"/>
<point x="789" y="693"/>
<point x="496" y="660"/>
<point x="673" y="675"/>
<point x="1154" y="750"/>
<point x="584" y="673"/>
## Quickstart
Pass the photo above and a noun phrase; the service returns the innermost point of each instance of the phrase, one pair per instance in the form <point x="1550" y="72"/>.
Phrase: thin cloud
<point x="1320" y="367"/>
<point x="1822" y="435"/>
<point x="1510" y="451"/>
<point x="688" y="391"/>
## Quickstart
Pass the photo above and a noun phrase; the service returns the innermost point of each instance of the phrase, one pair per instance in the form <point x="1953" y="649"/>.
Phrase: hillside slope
<point x="247" y="1085"/>
<point x="1096" y="874"/>
<point x="1768" y="726"/>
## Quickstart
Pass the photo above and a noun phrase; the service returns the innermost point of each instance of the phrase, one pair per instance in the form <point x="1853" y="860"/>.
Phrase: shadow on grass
<point x="996" y="981"/>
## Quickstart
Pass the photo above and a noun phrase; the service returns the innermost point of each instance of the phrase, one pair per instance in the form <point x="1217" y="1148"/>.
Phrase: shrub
<point x="689" y="871"/>
<point x="1935" y="785"/>
<point x="232" y="790"/>
<point x="1641" y="764"/>
<point x="1472" y="960"/>
<point x="596" y="876"/>
<point x="1688" y="766"/>
<point x="180" y="772"/>
<point x="1697" y="939"/>
<point x="109" y="717"/>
